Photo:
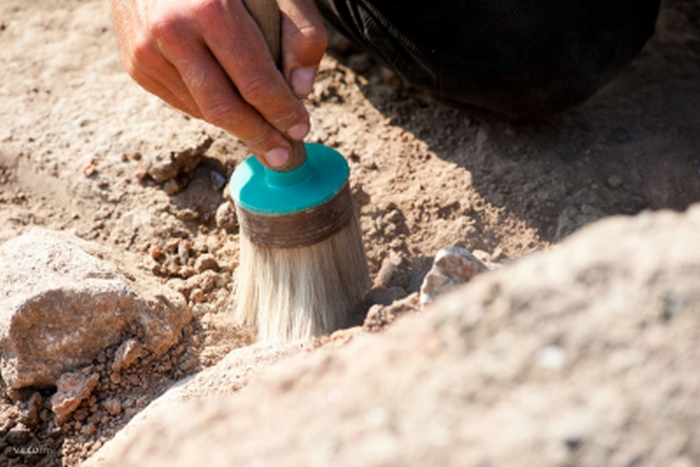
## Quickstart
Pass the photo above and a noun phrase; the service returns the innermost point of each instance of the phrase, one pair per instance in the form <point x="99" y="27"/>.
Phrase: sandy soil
<point x="82" y="149"/>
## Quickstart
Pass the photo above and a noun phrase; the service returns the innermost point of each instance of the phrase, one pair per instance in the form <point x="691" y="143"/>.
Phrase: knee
<point x="518" y="59"/>
<point x="539" y="64"/>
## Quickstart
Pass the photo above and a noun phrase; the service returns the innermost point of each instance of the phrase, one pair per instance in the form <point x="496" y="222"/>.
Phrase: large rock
<point x="583" y="355"/>
<point x="60" y="306"/>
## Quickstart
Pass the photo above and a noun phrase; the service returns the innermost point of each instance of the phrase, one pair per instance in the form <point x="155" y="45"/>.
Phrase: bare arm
<point x="208" y="58"/>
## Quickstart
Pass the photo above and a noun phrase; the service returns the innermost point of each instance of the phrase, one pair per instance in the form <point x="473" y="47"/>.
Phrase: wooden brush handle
<point x="267" y="14"/>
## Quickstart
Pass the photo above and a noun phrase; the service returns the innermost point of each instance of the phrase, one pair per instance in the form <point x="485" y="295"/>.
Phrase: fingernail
<point x="277" y="157"/>
<point x="297" y="132"/>
<point x="303" y="81"/>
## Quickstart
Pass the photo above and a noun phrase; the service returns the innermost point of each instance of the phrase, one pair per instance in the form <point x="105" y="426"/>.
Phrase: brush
<point x="302" y="269"/>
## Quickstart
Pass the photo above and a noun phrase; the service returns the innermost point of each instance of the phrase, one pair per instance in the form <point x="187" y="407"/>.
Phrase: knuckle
<point x="312" y="40"/>
<point x="165" y="27"/>
<point x="143" y="51"/>
<point x="207" y="10"/>
<point x="255" y="87"/>
<point x="222" y="114"/>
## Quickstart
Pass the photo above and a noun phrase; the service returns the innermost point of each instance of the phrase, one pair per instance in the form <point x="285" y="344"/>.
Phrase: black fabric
<point x="518" y="58"/>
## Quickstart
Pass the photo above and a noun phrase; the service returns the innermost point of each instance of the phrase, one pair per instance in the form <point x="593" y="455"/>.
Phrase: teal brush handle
<point x="305" y="202"/>
<point x="260" y="190"/>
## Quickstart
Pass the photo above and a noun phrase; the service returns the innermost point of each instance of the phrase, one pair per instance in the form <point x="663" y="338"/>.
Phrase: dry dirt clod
<point x="379" y="316"/>
<point x="113" y="406"/>
<point x="393" y="272"/>
<point x="30" y="415"/>
<point x="226" y="217"/>
<point x="167" y="167"/>
<point x="172" y="187"/>
<point x="206" y="262"/>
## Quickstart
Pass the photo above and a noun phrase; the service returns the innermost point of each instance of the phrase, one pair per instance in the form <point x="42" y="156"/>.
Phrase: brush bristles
<point x="293" y="294"/>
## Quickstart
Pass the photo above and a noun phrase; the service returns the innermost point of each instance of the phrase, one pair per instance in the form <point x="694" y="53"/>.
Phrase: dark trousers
<point x="518" y="58"/>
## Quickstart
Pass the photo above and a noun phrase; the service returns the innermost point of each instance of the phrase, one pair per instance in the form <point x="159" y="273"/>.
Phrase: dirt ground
<point x="83" y="149"/>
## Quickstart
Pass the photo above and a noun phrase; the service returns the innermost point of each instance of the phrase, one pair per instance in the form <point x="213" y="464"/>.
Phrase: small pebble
<point x="217" y="180"/>
<point x="205" y="262"/>
<point x="197" y="296"/>
<point x="200" y="309"/>
<point x="113" y="406"/>
<point x="226" y="217"/>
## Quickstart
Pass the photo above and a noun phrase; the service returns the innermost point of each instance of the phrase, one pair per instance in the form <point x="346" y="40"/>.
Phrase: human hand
<point x="209" y="59"/>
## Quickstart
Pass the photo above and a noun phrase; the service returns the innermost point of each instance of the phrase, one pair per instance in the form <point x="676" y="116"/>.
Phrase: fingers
<point x="221" y="105"/>
<point x="251" y="68"/>
<point x="229" y="74"/>
<point x="144" y="62"/>
<point x="161" y="79"/>
<point x="304" y="41"/>
<point x="208" y="58"/>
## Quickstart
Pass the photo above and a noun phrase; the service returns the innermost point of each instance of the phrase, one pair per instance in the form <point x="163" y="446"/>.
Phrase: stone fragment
<point x="394" y="272"/>
<point x="380" y="316"/>
<point x="206" y="262"/>
<point x="452" y="267"/>
<point x="113" y="406"/>
<point x="61" y="306"/>
<point x="72" y="389"/>
<point x="169" y="166"/>
<point x="127" y="354"/>
<point x="217" y="180"/>
<point x="226" y="217"/>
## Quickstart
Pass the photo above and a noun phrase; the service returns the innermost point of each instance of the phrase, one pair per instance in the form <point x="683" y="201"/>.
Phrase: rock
<point x="226" y="217"/>
<point x="380" y="315"/>
<point x="453" y="266"/>
<point x="61" y="306"/>
<point x="394" y="272"/>
<point x="113" y="406"/>
<point x="458" y="385"/>
<point x="205" y="262"/>
<point x="168" y="166"/>
<point x="18" y="436"/>
<point x="72" y="389"/>
<point x="218" y="181"/>
<point x="127" y="354"/>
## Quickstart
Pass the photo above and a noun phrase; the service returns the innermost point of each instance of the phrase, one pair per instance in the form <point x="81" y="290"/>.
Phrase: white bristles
<point x="293" y="294"/>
